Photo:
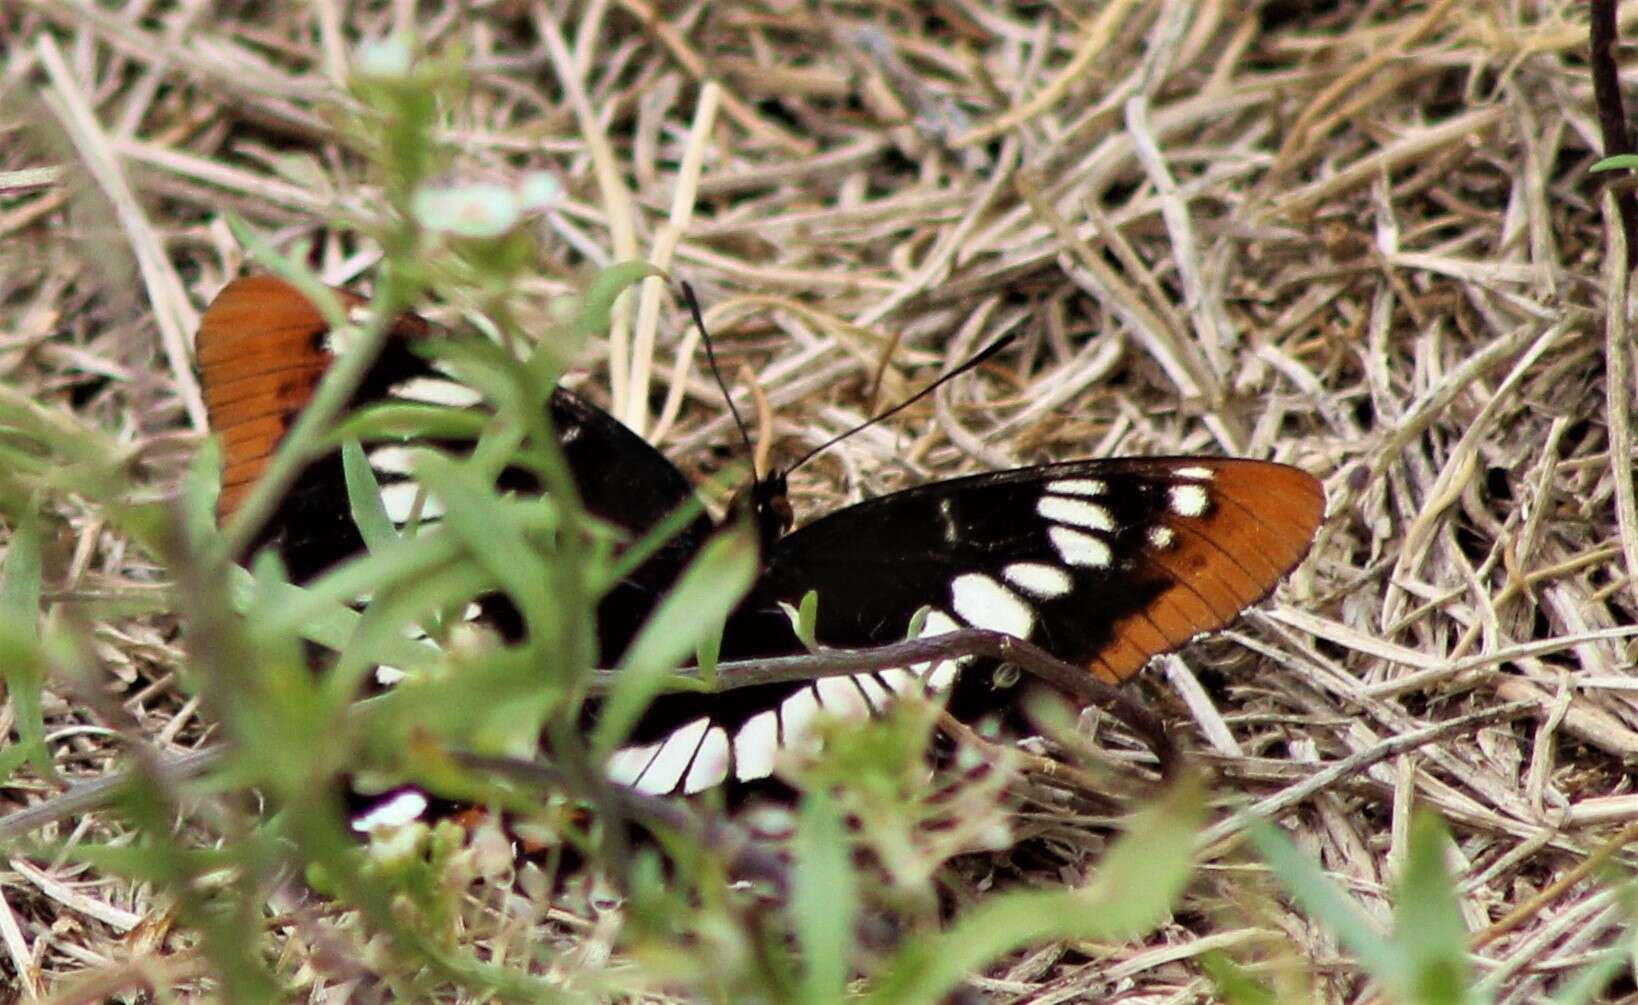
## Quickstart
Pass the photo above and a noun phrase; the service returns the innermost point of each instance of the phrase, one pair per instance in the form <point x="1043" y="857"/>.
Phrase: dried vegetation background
<point x="1356" y="237"/>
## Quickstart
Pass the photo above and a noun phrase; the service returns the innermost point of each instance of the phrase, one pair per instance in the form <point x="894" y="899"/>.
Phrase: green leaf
<point x="706" y="655"/>
<point x="320" y="618"/>
<point x="1235" y="984"/>
<point x="1620" y="162"/>
<point x="1161" y="837"/>
<point x="1428" y="932"/>
<point x="20" y="656"/>
<point x="918" y="622"/>
<point x="1321" y="897"/>
<point x="597" y="303"/>
<point x="364" y="496"/>
<point x="201" y="486"/>
<point x="485" y="527"/>
<point x="704" y="596"/>
<point x="1145" y="872"/>
<point x="824" y="902"/>
<point x="406" y="420"/>
<point x="804" y="619"/>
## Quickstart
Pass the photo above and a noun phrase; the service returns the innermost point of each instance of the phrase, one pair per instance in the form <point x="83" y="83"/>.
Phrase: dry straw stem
<point x="1356" y="237"/>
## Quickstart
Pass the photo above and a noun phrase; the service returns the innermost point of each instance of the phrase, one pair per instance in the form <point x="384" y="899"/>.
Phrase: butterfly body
<point x="1104" y="563"/>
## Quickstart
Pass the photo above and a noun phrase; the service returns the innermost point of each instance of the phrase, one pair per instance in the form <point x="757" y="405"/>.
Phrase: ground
<point x="1360" y="238"/>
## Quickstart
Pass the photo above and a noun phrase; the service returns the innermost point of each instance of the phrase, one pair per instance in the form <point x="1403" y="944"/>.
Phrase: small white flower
<point x="385" y="58"/>
<point x="539" y="191"/>
<point x="481" y="209"/>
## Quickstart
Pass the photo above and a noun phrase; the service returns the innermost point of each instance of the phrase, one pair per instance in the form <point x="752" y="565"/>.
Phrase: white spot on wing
<point x="1039" y="579"/>
<point x="1189" y="500"/>
<point x="985" y="603"/>
<point x="676" y="754"/>
<point x="1197" y="473"/>
<point x="391" y="459"/>
<point x="710" y="764"/>
<point x="1078" y="487"/>
<point x="1162" y="537"/>
<point x="399" y="500"/>
<point x="755" y="745"/>
<point x="937" y="623"/>
<point x="841" y="698"/>
<point x="897" y="679"/>
<point x="387" y="676"/>
<point x="436" y="391"/>
<point x="404" y="808"/>
<point x="874" y="690"/>
<point x="626" y="765"/>
<point x="1077" y="512"/>
<point x="942" y="676"/>
<point x="1077" y="548"/>
<point x="796" y="715"/>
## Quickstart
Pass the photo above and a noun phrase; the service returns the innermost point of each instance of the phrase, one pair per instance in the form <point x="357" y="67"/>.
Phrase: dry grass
<point x="1361" y="239"/>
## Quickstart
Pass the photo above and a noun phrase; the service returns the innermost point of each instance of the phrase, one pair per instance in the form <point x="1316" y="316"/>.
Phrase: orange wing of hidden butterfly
<point x="260" y="352"/>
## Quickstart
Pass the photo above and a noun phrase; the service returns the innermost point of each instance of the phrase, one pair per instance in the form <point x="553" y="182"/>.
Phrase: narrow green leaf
<point x="1233" y="983"/>
<point x="1145" y="871"/>
<point x="364" y="497"/>
<point x="804" y="619"/>
<point x="20" y="657"/>
<point x="1428" y="932"/>
<point x="918" y="621"/>
<point x="1160" y="839"/>
<point x="20" y="581"/>
<point x="807" y="620"/>
<point x="824" y="902"/>
<point x="706" y="655"/>
<point x="704" y="596"/>
<point x="1320" y="896"/>
<point x="201" y="485"/>
<point x="405" y="420"/>
<point x="474" y="513"/>
<point x="1617" y="163"/>
<point x="317" y="618"/>
<point x="597" y="304"/>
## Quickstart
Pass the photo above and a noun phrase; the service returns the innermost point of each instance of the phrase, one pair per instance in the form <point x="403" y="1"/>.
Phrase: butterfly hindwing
<point x="262" y="348"/>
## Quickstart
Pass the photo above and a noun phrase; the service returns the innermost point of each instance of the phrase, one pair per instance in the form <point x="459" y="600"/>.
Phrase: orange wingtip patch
<point x="1227" y="538"/>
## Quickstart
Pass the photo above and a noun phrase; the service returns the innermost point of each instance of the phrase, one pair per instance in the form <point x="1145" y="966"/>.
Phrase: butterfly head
<point x="767" y="505"/>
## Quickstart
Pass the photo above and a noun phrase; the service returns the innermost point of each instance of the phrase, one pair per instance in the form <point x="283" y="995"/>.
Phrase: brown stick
<point x="1612" y="116"/>
<point x="1073" y="680"/>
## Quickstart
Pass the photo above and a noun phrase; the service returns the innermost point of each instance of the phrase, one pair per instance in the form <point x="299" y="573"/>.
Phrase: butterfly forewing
<point x="1106" y="563"/>
<point x="260" y="354"/>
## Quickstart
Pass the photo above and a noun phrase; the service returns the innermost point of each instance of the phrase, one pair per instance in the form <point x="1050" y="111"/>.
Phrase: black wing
<point x="626" y="482"/>
<point x="1103" y="563"/>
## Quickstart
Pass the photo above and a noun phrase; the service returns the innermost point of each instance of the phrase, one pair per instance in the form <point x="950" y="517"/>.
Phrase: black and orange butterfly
<point x="1103" y="563"/>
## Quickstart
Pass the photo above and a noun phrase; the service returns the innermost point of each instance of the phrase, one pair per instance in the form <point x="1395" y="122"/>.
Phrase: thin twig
<point x="1603" y="38"/>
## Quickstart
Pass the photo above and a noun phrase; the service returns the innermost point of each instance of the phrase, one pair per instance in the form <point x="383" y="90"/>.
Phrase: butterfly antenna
<point x="711" y="358"/>
<point x="982" y="357"/>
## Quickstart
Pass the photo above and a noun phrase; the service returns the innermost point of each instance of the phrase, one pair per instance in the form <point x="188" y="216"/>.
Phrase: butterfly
<point x="1104" y="563"/>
